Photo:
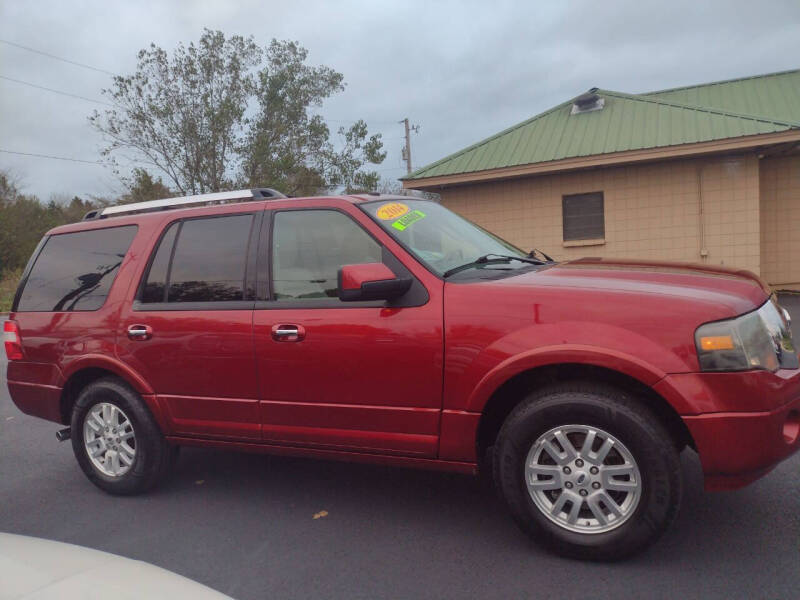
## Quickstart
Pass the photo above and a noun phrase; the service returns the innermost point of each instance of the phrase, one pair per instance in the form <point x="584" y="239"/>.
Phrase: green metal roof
<point x="756" y="105"/>
<point x="775" y="95"/>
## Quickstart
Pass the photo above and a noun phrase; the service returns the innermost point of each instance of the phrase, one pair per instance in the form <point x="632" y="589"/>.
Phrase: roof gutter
<point x="726" y="145"/>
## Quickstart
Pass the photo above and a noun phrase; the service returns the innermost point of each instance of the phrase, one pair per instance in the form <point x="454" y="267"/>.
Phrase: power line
<point x="352" y="121"/>
<point x="78" y="160"/>
<point x="63" y="93"/>
<point x="41" y="87"/>
<point x="53" y="56"/>
<point x="99" y="70"/>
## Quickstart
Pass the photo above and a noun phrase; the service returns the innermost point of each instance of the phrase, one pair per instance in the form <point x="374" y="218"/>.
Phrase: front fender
<point x="596" y="356"/>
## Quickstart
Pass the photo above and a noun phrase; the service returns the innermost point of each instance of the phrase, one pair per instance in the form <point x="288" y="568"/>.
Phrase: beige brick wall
<point x="780" y="221"/>
<point x="651" y="211"/>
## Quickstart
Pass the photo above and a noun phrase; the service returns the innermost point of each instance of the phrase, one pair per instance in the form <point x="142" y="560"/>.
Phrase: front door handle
<point x="140" y="332"/>
<point x="288" y="332"/>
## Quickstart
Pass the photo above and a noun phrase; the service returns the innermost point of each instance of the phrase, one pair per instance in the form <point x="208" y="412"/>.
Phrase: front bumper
<point x="747" y="423"/>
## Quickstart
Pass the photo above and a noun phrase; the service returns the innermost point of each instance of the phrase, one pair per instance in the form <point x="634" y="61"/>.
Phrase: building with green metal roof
<point x="704" y="173"/>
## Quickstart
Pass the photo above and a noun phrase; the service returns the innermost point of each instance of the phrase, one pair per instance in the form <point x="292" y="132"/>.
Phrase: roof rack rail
<point x="183" y="202"/>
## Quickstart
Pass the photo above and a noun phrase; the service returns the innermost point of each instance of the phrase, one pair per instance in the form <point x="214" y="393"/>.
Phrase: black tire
<point x="625" y="418"/>
<point x="153" y="457"/>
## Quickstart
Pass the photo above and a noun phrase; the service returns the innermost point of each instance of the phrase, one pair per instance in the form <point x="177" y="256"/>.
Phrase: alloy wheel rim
<point x="583" y="479"/>
<point x="109" y="439"/>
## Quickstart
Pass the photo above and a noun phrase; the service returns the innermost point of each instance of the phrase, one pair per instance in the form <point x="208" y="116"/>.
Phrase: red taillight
<point x="12" y="341"/>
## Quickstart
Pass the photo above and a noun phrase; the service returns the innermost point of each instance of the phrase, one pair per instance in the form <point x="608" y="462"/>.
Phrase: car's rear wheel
<point x="588" y="470"/>
<point x="115" y="439"/>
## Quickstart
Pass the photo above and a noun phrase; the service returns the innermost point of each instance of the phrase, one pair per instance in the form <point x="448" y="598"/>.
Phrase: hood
<point x="730" y="291"/>
<point x="649" y="310"/>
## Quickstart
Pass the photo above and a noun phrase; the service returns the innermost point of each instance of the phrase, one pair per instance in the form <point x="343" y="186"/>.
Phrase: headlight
<point x="761" y="339"/>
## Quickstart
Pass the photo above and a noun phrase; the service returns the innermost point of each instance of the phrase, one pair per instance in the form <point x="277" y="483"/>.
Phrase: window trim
<point x="264" y="259"/>
<point x="40" y="248"/>
<point x="168" y="273"/>
<point x="416" y="296"/>
<point x="23" y="281"/>
<point x="587" y="242"/>
<point x="593" y="240"/>
<point x="193" y="306"/>
<point x="246" y="304"/>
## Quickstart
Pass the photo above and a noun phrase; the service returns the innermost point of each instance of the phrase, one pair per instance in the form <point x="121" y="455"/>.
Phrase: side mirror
<point x="370" y="281"/>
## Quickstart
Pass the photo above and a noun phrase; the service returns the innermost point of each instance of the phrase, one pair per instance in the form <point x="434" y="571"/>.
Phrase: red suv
<point x="390" y="330"/>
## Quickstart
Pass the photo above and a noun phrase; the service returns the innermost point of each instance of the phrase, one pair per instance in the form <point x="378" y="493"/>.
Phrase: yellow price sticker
<point x="390" y="211"/>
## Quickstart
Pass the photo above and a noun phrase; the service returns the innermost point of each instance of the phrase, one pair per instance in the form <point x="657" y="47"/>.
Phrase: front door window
<point x="308" y="249"/>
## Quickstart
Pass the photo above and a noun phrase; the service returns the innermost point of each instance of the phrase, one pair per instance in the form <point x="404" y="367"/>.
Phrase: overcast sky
<point x="461" y="70"/>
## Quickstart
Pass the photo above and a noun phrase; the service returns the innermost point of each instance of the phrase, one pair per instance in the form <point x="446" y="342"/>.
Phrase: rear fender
<point x="124" y="372"/>
<point x="101" y="361"/>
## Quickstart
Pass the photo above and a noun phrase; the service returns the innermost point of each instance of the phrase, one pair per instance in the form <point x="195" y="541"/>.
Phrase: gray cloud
<point x="462" y="70"/>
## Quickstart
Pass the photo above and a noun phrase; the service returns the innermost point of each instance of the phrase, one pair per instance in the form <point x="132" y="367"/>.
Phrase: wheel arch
<point x="513" y="390"/>
<point x="91" y="368"/>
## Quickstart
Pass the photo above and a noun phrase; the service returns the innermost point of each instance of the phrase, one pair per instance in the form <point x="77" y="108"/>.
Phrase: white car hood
<point x="33" y="568"/>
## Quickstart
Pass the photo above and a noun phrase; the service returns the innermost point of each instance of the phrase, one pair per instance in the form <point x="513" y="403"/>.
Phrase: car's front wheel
<point x="588" y="471"/>
<point x="115" y="439"/>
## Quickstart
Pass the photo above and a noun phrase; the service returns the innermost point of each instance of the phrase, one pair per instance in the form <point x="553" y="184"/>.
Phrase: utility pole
<point x="407" y="148"/>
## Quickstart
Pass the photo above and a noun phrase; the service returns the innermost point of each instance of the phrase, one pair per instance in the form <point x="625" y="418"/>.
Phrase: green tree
<point x="24" y="220"/>
<point x="289" y="148"/>
<point x="142" y="187"/>
<point x="76" y="208"/>
<point x="286" y="147"/>
<point x="186" y="116"/>
<point x="358" y="149"/>
<point x="8" y="188"/>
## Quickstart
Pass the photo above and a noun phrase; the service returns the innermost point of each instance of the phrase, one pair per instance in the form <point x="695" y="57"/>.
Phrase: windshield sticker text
<point x="390" y="211"/>
<point x="412" y="217"/>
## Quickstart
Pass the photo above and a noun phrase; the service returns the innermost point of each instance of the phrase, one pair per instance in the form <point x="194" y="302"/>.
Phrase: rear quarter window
<point x="75" y="271"/>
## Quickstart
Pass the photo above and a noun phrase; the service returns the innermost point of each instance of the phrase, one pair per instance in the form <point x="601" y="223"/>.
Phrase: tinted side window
<point x="74" y="271"/>
<point x="155" y="289"/>
<point x="208" y="261"/>
<point x="308" y="249"/>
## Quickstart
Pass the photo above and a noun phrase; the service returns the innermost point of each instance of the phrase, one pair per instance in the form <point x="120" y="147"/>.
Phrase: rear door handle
<point x="288" y="332"/>
<point x="140" y="332"/>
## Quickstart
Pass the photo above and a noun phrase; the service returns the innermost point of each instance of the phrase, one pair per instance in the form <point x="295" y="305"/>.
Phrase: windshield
<point x="436" y="236"/>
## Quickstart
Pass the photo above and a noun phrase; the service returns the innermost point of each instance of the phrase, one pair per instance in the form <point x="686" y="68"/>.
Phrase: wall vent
<point x="587" y="102"/>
